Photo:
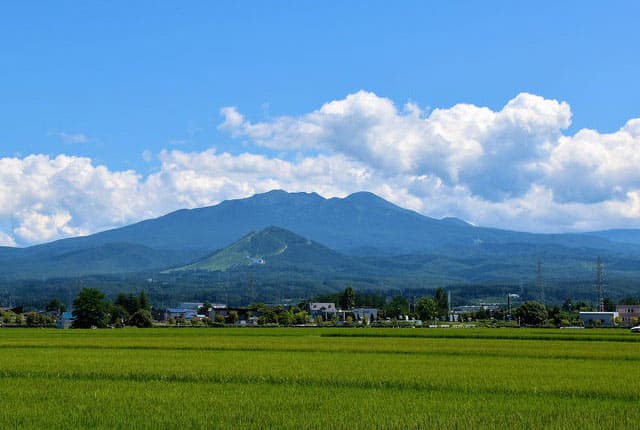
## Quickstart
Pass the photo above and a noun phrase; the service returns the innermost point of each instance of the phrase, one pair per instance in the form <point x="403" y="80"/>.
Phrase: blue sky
<point x="117" y="111"/>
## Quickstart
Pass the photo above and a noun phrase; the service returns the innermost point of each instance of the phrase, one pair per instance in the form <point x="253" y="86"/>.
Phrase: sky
<point x="516" y="115"/>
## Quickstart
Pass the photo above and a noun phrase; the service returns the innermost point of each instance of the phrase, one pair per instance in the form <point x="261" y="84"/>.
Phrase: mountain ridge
<point x="278" y="204"/>
<point x="361" y="224"/>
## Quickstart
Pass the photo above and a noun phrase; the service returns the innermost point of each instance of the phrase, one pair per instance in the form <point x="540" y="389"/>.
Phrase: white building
<point x="324" y="310"/>
<point x="604" y="319"/>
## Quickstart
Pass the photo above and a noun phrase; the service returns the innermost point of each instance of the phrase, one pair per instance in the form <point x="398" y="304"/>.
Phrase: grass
<point x="319" y="378"/>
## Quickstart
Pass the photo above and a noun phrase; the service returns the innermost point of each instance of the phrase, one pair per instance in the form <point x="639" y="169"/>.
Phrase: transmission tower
<point x="600" y="283"/>
<point x="540" y="281"/>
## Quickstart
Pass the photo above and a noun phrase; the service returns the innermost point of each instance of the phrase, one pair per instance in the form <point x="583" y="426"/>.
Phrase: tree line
<point x="92" y="309"/>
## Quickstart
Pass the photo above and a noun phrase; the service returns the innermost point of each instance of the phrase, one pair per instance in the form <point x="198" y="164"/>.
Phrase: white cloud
<point x="510" y="168"/>
<point x="502" y="161"/>
<point x="35" y="226"/>
<point x="494" y="153"/>
<point x="591" y="167"/>
<point x="47" y="198"/>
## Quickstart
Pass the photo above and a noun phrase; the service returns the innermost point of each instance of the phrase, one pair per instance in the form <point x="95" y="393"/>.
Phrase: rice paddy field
<point x="319" y="378"/>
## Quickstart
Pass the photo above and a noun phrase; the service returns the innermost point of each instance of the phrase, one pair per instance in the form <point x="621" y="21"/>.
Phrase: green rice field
<point x="319" y="378"/>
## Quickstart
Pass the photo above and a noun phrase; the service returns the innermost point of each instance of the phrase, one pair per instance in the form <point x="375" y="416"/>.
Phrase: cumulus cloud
<point x="494" y="153"/>
<point x="47" y="198"/>
<point x="511" y="168"/>
<point x="502" y="159"/>
<point x="591" y="167"/>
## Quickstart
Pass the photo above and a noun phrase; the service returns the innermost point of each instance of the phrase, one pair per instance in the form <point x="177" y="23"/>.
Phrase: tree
<point x="55" y="305"/>
<point x="130" y="302"/>
<point x="583" y="306"/>
<point x="397" y="307"/>
<point x="348" y="298"/>
<point x="232" y="317"/>
<point x="301" y="317"/>
<point x="35" y="319"/>
<point x="143" y="302"/>
<point x="268" y="317"/>
<point x="442" y="301"/>
<point x="119" y="315"/>
<point x="532" y="313"/>
<point x="285" y="318"/>
<point x="90" y="308"/>
<point x="426" y="308"/>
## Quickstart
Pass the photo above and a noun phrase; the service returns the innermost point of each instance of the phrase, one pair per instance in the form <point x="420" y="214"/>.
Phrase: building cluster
<point x="624" y="315"/>
<point x="316" y="311"/>
<point x="329" y="311"/>
<point x="313" y="312"/>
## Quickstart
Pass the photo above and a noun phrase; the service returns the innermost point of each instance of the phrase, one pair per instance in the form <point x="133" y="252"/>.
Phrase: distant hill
<point x="108" y="258"/>
<point x="273" y="247"/>
<point x="620" y="235"/>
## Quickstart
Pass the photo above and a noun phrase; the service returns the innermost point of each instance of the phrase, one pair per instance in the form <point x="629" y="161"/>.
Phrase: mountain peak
<point x="365" y="197"/>
<point x="272" y="245"/>
<point x="279" y="195"/>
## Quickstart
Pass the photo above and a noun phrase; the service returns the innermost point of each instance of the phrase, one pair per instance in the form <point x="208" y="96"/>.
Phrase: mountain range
<point x="360" y="238"/>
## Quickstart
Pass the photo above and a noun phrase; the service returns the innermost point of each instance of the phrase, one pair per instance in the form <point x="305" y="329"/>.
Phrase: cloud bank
<point x="514" y="168"/>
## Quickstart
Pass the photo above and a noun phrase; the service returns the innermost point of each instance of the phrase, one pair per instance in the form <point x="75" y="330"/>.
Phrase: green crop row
<point x="303" y="379"/>
<point x="44" y="403"/>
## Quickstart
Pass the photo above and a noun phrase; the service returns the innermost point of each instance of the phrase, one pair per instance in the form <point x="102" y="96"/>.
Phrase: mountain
<point x="361" y="223"/>
<point x="272" y="247"/>
<point x="108" y="258"/>
<point x="318" y="245"/>
<point x="619" y="235"/>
